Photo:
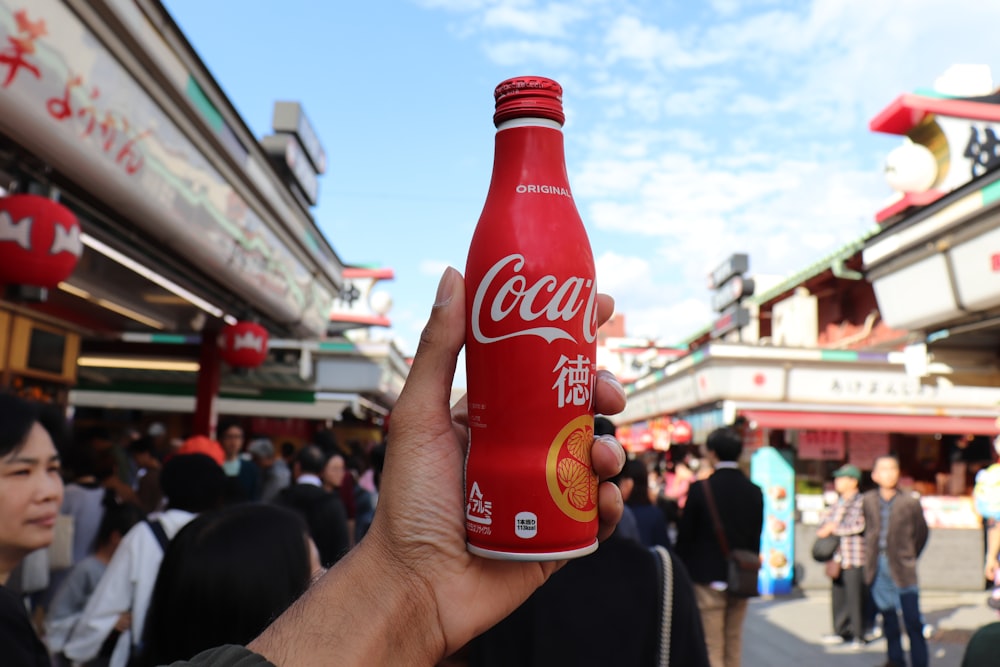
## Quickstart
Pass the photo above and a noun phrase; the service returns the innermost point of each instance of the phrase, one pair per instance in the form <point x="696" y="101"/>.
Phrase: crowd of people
<point x="192" y="547"/>
<point x="231" y="554"/>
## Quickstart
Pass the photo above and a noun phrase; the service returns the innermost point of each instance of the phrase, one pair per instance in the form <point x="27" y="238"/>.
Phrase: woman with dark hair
<point x="635" y="490"/>
<point x="31" y="493"/>
<point x="224" y="577"/>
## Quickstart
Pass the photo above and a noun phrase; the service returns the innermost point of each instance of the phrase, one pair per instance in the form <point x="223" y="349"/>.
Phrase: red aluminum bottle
<point x="531" y="334"/>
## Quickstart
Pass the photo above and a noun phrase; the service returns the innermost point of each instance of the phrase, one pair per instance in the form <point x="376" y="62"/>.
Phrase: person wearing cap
<point x="846" y="520"/>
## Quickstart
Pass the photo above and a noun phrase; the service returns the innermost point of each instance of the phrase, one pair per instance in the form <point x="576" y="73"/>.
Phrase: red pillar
<point x="207" y="391"/>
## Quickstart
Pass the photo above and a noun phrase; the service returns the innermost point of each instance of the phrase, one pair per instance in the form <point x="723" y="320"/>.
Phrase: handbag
<point x="825" y="547"/>
<point x="665" y="574"/>
<point x="61" y="548"/>
<point x="743" y="564"/>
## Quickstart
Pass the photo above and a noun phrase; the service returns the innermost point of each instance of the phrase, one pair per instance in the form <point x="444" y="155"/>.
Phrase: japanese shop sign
<point x="71" y="102"/>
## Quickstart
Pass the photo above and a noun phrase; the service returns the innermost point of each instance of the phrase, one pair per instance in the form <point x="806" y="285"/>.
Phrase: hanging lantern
<point x="39" y="241"/>
<point x="244" y="344"/>
<point x="681" y="433"/>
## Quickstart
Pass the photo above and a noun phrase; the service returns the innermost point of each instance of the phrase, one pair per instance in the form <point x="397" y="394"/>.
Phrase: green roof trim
<point x="843" y="253"/>
<point x="991" y="193"/>
<point x="204" y="105"/>
<point x="336" y="346"/>
<point x="286" y="395"/>
<point x="838" y="355"/>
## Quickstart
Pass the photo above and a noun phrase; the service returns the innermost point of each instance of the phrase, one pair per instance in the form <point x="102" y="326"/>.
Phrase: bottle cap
<point x="528" y="97"/>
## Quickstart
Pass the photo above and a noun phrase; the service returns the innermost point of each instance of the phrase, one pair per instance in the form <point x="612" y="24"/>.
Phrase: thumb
<point x="427" y="391"/>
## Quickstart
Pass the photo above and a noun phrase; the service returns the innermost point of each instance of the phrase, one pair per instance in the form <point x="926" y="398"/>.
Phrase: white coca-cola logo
<point x="515" y="299"/>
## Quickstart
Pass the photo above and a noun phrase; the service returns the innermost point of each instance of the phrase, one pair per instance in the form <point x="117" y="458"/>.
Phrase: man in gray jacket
<point x="895" y="534"/>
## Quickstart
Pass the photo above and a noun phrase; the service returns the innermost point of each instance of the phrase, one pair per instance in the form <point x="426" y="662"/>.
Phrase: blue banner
<point x="775" y="476"/>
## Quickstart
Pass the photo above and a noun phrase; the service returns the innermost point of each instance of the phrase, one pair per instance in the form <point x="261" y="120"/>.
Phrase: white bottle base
<point x="552" y="555"/>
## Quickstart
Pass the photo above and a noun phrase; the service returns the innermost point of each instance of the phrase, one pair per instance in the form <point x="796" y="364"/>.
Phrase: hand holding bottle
<point x="410" y="592"/>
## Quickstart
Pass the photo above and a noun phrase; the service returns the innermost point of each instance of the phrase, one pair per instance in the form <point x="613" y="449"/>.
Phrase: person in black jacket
<point x="323" y="511"/>
<point x="740" y="506"/>
<point x="558" y="626"/>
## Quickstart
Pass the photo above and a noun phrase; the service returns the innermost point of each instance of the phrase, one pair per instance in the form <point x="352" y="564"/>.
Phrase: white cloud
<point x="548" y="21"/>
<point x="524" y="52"/>
<point x="432" y="267"/>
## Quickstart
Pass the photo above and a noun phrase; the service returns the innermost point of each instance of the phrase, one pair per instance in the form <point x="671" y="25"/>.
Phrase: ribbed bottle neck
<point x="529" y="121"/>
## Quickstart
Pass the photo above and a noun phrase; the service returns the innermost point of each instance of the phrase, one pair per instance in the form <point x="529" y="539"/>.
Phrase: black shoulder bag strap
<point x="158" y="532"/>
<point x="665" y="576"/>
<point x="720" y="534"/>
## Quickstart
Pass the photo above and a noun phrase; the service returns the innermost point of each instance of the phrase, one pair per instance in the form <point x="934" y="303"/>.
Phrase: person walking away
<point x="896" y="533"/>
<point x="192" y="483"/>
<point x="71" y="596"/>
<point x="275" y="473"/>
<point x="846" y="520"/>
<point x="740" y="505"/>
<point x="323" y="511"/>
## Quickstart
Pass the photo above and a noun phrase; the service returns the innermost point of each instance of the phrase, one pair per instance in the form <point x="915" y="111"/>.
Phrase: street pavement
<point x="787" y="631"/>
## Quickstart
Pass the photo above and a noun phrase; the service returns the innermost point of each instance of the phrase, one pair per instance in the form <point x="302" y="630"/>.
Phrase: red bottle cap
<point x="528" y="97"/>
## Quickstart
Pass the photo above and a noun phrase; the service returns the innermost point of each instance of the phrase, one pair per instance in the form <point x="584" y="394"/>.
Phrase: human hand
<point x="424" y="468"/>
<point x="991" y="569"/>
<point x="410" y="592"/>
<point x="825" y="530"/>
<point x="124" y="622"/>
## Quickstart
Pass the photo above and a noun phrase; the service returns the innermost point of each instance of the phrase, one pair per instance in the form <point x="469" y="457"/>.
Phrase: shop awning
<point x="874" y="423"/>
<point x="317" y="409"/>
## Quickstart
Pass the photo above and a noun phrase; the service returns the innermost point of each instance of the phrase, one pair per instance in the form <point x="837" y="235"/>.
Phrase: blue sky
<point x="694" y="129"/>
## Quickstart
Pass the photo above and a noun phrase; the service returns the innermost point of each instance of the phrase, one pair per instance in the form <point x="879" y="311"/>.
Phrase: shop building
<point x="187" y="224"/>
<point x="888" y="345"/>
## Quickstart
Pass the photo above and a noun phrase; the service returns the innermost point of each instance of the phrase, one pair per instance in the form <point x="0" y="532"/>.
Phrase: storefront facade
<point x="187" y="224"/>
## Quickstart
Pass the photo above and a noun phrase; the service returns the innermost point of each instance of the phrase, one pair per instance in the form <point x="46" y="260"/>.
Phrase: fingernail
<point x="610" y="380"/>
<point x="612" y="443"/>
<point x="444" y="291"/>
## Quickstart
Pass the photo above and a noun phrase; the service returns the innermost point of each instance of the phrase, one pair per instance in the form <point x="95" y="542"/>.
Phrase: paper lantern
<point x="911" y="168"/>
<point x="39" y="241"/>
<point x="681" y="433"/>
<point x="244" y="344"/>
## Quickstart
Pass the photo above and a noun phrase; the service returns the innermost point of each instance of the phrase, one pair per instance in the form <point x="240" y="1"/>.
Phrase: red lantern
<point x="681" y="433"/>
<point x="39" y="241"/>
<point x="244" y="344"/>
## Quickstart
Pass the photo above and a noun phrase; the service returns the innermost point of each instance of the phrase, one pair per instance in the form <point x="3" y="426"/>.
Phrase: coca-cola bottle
<point x="531" y="299"/>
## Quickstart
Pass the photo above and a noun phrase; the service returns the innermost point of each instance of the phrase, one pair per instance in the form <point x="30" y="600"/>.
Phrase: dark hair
<point x="224" y="577"/>
<point x="326" y="441"/>
<point x="118" y="518"/>
<point x="226" y="425"/>
<point x="84" y="460"/>
<point x="891" y="457"/>
<point x="193" y="482"/>
<point x="311" y="459"/>
<point x="18" y="415"/>
<point x="603" y="426"/>
<point x="636" y="471"/>
<point x="725" y="443"/>
<point x="142" y="445"/>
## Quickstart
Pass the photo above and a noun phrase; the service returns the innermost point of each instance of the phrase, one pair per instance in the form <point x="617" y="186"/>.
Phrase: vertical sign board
<point x="775" y="476"/>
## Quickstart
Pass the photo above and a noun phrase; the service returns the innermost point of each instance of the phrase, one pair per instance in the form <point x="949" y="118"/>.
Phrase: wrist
<point x="363" y="611"/>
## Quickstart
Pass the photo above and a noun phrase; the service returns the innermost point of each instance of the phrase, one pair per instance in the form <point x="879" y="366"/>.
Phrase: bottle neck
<point x="529" y="158"/>
<point x="529" y="122"/>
